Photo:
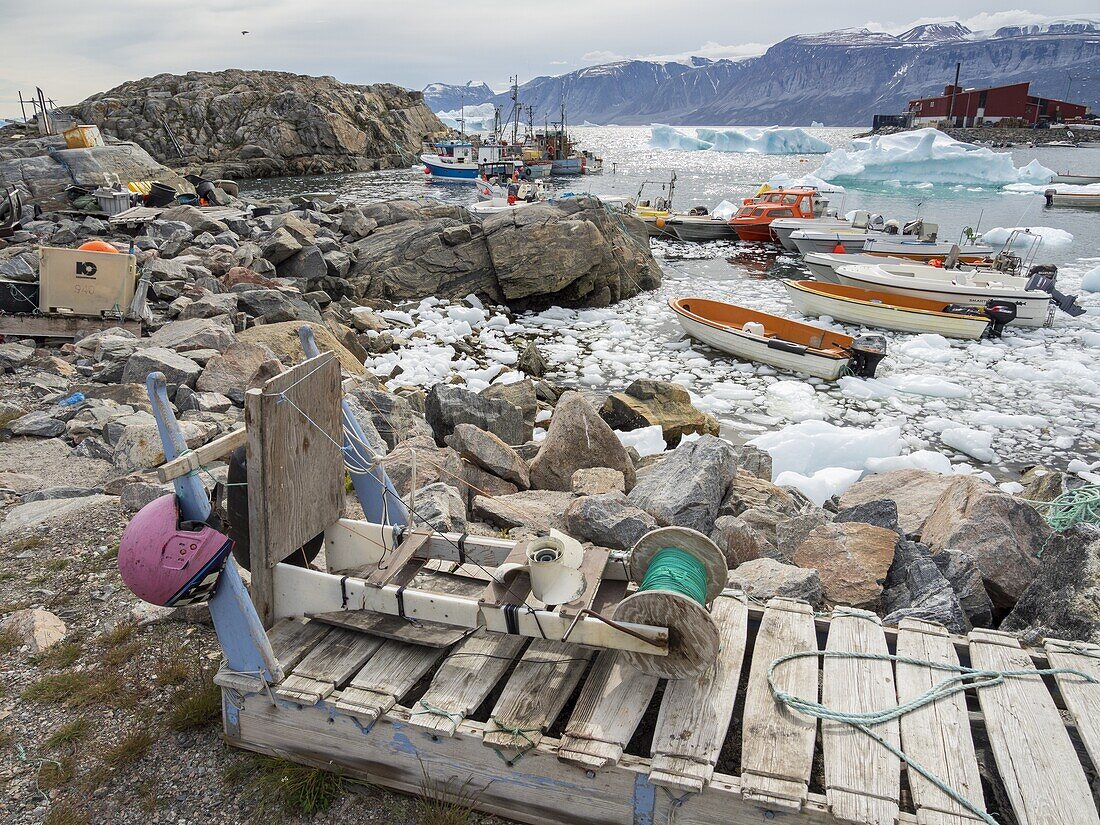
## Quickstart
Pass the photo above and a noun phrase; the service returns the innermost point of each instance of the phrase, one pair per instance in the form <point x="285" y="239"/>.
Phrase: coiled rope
<point x="964" y="678"/>
<point x="1073" y="507"/>
<point x="677" y="571"/>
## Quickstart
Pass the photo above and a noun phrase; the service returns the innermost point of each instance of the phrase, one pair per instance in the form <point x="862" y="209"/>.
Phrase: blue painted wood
<point x="240" y="632"/>
<point x="376" y="493"/>
<point x="645" y="800"/>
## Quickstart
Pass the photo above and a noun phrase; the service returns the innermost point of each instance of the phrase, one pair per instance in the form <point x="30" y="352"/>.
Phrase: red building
<point x="974" y="107"/>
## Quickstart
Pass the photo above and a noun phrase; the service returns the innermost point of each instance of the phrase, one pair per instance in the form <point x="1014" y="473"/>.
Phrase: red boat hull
<point x="754" y="232"/>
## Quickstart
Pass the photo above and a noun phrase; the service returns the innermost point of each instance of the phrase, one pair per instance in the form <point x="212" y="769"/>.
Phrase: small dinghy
<point x="779" y="342"/>
<point x="903" y="313"/>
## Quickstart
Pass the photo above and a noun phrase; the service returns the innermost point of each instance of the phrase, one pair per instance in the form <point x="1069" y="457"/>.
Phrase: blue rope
<point x="965" y="678"/>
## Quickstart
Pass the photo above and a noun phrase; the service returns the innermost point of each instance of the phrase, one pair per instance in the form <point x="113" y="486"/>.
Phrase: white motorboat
<point x="699" y="228"/>
<point x="1086" y="200"/>
<point x="922" y="250"/>
<point x="779" y="342"/>
<point x="808" y="241"/>
<point x="782" y="228"/>
<point x="903" y="313"/>
<point x="974" y="288"/>
<point x="823" y="265"/>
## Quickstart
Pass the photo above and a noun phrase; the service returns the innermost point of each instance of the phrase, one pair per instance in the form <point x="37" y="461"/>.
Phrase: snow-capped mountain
<point x="442" y="97"/>
<point x="839" y="78"/>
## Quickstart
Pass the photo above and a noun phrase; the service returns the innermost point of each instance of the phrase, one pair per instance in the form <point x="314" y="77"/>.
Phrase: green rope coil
<point x="678" y="571"/>
<point x="1073" y="507"/>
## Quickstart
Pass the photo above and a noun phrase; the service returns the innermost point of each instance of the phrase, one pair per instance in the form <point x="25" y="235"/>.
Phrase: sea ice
<point x="816" y="124"/>
<point x="783" y="181"/>
<point x="1090" y="281"/>
<point x="916" y="460"/>
<point x="478" y="118"/>
<point x="822" y="485"/>
<point x="978" y="444"/>
<point x="775" y="140"/>
<point x="1028" y="237"/>
<point x="646" y="440"/>
<point x="925" y="156"/>
<point x="810" y="446"/>
<point x="666" y="137"/>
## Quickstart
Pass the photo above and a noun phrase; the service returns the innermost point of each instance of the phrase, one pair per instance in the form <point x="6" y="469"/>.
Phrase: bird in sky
<point x="244" y="32"/>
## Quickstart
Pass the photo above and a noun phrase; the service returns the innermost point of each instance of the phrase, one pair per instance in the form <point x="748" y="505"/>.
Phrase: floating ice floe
<point x="646" y="440"/>
<point x="978" y="444"/>
<point x="816" y="124"/>
<point x="774" y="140"/>
<point x="926" y="156"/>
<point x="782" y="181"/>
<point x="1028" y="237"/>
<point x="1090" y="282"/>
<point x="480" y="118"/>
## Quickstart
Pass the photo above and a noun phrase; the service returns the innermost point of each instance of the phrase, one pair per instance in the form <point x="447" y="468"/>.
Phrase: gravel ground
<point x="109" y="726"/>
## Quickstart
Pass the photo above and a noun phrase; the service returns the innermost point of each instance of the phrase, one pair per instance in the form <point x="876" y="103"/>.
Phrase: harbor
<point x="449" y="459"/>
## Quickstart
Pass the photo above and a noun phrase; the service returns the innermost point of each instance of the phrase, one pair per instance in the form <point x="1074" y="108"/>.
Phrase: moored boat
<point x="782" y="228"/>
<point x="823" y="265"/>
<point x="903" y="313"/>
<point x="966" y="287"/>
<point x="918" y="250"/>
<point x="1086" y="200"/>
<point x="1076" y="180"/>
<point x="753" y="221"/>
<point x="778" y="342"/>
<point x="699" y="228"/>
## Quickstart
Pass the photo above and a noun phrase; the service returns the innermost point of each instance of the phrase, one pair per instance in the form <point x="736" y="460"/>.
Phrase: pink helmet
<point x="168" y="563"/>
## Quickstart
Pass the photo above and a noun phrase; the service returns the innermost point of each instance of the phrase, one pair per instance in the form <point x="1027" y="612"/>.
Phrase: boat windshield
<point x="782" y="212"/>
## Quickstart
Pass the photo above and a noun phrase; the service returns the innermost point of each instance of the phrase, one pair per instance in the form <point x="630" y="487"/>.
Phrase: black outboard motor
<point x="1043" y="278"/>
<point x="999" y="312"/>
<point x="866" y="352"/>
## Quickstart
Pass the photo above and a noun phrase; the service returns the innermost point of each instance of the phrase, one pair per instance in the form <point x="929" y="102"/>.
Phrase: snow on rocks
<point x="925" y="156"/>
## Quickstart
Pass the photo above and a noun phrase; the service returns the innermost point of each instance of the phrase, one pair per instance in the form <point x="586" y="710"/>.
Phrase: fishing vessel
<point x="654" y="210"/>
<point x="779" y="342"/>
<point x="698" y="226"/>
<point x="966" y="287"/>
<point x="753" y="221"/>
<point x="902" y="313"/>
<point x="1076" y="180"/>
<point x="459" y="161"/>
<point x="783" y="228"/>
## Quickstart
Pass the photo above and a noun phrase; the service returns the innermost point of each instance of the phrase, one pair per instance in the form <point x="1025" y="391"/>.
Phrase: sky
<point x="75" y="48"/>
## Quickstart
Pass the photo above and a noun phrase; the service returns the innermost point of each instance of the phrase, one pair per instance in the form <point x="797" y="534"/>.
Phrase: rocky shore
<point x="513" y="453"/>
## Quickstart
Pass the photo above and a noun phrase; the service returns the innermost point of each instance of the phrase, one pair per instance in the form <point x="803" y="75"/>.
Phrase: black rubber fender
<point x="236" y="509"/>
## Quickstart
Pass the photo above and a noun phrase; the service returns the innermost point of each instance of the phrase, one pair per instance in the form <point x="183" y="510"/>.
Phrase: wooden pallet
<point x="544" y="732"/>
<point x="60" y="326"/>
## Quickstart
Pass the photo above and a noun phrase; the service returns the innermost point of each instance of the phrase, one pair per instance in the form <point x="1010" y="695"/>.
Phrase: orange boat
<point x="753" y="221"/>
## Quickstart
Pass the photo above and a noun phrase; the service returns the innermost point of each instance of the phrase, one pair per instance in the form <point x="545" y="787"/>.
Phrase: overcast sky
<point x="74" y="48"/>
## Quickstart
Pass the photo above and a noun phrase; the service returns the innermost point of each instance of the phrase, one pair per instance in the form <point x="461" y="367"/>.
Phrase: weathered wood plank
<point x="467" y="675"/>
<point x="695" y="713"/>
<point x="535" y="694"/>
<point x="291" y="640"/>
<point x="1035" y="757"/>
<point x="392" y="564"/>
<point x="387" y="676"/>
<point x="937" y="736"/>
<point x="295" y="467"/>
<point x="862" y="778"/>
<point x="60" y="326"/>
<point x="211" y="451"/>
<point x="592" y="567"/>
<point x="1082" y="698"/>
<point x="777" y="744"/>
<point x="330" y="664"/>
<point x="612" y="702"/>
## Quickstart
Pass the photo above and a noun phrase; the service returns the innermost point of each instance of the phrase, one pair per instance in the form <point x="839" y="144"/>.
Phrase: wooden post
<point x="295" y="467"/>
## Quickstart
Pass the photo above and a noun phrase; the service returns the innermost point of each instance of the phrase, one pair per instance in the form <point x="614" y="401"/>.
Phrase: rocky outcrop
<point x="687" y="488"/>
<point x="915" y="492"/>
<point x="248" y="124"/>
<point x="647" y="403"/>
<point x="852" y="560"/>
<point x="568" y="252"/>
<point x="764" y="579"/>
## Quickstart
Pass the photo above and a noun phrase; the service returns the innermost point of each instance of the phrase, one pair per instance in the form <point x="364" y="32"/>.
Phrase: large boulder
<point x="738" y="541"/>
<point x="491" y="454"/>
<point x="965" y="577"/>
<point x="393" y="416"/>
<point x="914" y="491"/>
<point x="441" y="507"/>
<point x="747" y="491"/>
<point x="447" y="406"/>
<point x="432" y="464"/>
<point x="140" y="447"/>
<point x="577" y="439"/>
<point x="231" y="372"/>
<point x="520" y="394"/>
<point x="178" y="369"/>
<point x="763" y="579"/>
<point x="852" y="560"/>
<point x="917" y="589"/>
<point x="282" y="339"/>
<point x="1063" y="600"/>
<point x="608" y="520"/>
<point x="537" y="510"/>
<point x="194" y="333"/>
<point x="38" y="629"/>
<point x="687" y="487"/>
<point x="1003" y="534"/>
<point x="647" y="403"/>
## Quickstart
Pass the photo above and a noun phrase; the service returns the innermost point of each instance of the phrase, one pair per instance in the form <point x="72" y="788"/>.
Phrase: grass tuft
<point x="117" y="656"/>
<point x="120" y="634"/>
<point x="61" y="656"/>
<point x="295" y="789"/>
<point x="65" y="813"/>
<point x="69" y="734"/>
<point x="78" y="690"/>
<point x="443" y="803"/>
<point x="23" y="545"/>
<point x="173" y="671"/>
<point x="132" y="747"/>
<point x="9" y="640"/>
<point x="196" y="706"/>
<point x="56" y="773"/>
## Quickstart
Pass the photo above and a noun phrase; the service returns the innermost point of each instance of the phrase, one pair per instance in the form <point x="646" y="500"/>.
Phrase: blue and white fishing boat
<point x="453" y="160"/>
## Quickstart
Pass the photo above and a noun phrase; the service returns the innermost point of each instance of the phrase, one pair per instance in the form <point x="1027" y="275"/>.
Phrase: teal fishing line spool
<point x="679" y="573"/>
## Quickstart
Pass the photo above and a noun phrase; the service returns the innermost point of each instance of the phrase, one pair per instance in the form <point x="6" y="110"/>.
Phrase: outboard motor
<point x="1042" y="278"/>
<point x="999" y="312"/>
<point x="892" y="227"/>
<point x="698" y="211"/>
<point x="866" y="352"/>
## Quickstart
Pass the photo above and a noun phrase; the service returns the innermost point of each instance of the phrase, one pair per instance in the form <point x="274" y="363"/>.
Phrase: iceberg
<point x="480" y="118"/>
<point x="666" y="137"/>
<point x="1091" y="280"/>
<point x="925" y="156"/>
<point x="816" y="124"/>
<point x="781" y="181"/>
<point x="775" y="140"/>
<point x="1028" y="237"/>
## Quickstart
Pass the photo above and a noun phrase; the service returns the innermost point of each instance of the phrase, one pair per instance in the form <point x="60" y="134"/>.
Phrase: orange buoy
<point x="838" y="249"/>
<point x="660" y="223"/>
<point x="97" y="246"/>
<point x="936" y="262"/>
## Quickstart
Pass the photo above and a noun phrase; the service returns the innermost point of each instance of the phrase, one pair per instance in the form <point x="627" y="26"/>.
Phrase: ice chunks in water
<point x="1028" y="237"/>
<point x="822" y="485"/>
<point x="478" y="118"/>
<point x="646" y="440"/>
<point x="810" y="446"/>
<point x="1090" y="281"/>
<point x="926" y="156"/>
<point x="665" y="137"/>
<point x="978" y="444"/>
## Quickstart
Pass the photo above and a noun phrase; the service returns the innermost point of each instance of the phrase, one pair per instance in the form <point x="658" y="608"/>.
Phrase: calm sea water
<point x="706" y="178"/>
